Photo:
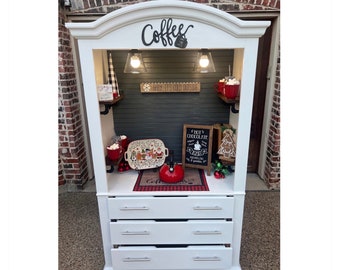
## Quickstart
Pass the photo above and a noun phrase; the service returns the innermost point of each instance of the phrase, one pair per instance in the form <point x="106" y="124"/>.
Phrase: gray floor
<point x="80" y="245"/>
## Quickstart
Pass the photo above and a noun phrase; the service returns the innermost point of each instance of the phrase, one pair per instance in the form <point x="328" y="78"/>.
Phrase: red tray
<point x="146" y="154"/>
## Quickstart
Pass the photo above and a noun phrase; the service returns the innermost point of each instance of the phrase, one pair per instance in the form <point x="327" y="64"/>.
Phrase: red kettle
<point x="171" y="173"/>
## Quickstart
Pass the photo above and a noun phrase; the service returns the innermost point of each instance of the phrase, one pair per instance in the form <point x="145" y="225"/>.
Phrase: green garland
<point x="223" y="128"/>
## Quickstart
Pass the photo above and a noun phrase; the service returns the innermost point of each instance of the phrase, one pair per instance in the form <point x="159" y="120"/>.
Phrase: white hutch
<point x="176" y="229"/>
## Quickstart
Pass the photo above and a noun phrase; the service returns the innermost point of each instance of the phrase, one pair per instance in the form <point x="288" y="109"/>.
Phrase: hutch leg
<point x="237" y="232"/>
<point x="105" y="229"/>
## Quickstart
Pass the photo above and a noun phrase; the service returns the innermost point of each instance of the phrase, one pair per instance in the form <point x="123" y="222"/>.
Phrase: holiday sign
<point x="197" y="144"/>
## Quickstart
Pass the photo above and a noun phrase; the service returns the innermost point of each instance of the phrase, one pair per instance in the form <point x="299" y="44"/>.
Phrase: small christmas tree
<point x="227" y="149"/>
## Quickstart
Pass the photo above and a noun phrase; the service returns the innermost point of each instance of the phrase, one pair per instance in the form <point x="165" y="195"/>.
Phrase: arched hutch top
<point x="132" y="18"/>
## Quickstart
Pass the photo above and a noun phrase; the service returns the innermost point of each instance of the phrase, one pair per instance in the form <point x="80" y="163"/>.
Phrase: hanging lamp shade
<point x="204" y="62"/>
<point x="134" y="62"/>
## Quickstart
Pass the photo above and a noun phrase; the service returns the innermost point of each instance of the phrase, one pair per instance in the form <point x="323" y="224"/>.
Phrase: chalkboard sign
<point x="197" y="144"/>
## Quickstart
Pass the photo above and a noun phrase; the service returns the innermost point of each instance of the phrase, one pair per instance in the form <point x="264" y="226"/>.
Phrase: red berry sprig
<point x="123" y="166"/>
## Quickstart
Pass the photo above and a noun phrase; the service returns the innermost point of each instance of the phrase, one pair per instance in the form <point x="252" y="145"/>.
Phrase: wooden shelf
<point x="230" y="102"/>
<point x="109" y="104"/>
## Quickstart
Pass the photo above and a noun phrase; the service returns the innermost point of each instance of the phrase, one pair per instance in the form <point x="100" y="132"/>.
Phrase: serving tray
<point x="146" y="154"/>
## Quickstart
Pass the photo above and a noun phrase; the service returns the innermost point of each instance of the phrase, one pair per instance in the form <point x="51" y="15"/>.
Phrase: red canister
<point x="231" y="91"/>
<point x="114" y="152"/>
<point x="219" y="87"/>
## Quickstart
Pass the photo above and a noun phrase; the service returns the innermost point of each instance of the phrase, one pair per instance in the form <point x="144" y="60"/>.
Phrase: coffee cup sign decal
<point x="167" y="33"/>
<point x="181" y="42"/>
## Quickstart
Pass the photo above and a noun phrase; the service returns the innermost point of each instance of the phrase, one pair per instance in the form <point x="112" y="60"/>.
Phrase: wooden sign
<point x="197" y="145"/>
<point x="159" y="87"/>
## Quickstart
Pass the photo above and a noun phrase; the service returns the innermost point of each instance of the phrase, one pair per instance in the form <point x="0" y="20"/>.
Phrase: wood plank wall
<point x="162" y="115"/>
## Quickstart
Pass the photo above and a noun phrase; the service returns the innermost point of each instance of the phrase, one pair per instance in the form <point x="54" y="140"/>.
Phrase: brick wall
<point x="72" y="152"/>
<point x="272" y="169"/>
<point x="72" y="166"/>
<point x="106" y="6"/>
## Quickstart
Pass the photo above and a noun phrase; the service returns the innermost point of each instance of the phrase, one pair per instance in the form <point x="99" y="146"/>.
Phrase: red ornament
<point x="217" y="174"/>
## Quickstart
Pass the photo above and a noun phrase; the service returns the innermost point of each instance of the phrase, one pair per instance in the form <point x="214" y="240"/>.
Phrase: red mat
<point x="194" y="180"/>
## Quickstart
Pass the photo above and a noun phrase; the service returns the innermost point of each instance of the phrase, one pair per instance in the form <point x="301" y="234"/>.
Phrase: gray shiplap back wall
<point x="162" y="115"/>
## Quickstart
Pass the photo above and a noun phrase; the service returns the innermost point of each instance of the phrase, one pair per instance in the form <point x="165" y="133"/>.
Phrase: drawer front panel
<point x="157" y="233"/>
<point x="170" y="207"/>
<point x="193" y="257"/>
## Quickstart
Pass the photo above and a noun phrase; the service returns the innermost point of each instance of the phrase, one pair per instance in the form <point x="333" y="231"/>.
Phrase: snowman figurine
<point x="197" y="146"/>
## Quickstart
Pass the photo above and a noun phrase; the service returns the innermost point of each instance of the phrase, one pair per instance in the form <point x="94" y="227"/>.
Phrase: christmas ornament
<point x="221" y="171"/>
<point x="123" y="166"/>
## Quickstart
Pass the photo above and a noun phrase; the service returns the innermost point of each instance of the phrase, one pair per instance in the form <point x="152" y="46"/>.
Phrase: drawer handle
<point x="207" y="208"/>
<point x="127" y="208"/>
<point x="207" y="232"/>
<point x="141" y="259"/>
<point x="214" y="258"/>
<point x="135" y="233"/>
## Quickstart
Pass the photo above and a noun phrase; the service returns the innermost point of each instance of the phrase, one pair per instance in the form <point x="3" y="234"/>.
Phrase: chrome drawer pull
<point x="207" y="208"/>
<point x="135" y="233"/>
<point x="127" y="208"/>
<point x="142" y="259"/>
<point x="198" y="258"/>
<point x="207" y="232"/>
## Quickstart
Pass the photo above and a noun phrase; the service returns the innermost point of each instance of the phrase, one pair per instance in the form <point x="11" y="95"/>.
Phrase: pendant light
<point x="204" y="62"/>
<point x="134" y="62"/>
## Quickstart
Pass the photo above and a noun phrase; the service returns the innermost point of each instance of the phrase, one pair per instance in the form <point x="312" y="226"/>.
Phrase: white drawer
<point x="192" y="257"/>
<point x="150" y="232"/>
<point x="171" y="207"/>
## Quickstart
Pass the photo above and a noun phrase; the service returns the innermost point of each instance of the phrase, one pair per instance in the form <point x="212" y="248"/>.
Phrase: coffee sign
<point x="167" y="33"/>
<point x="197" y="145"/>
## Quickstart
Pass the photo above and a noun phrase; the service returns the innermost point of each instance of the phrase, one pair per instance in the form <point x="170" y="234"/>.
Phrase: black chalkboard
<point x="196" y="148"/>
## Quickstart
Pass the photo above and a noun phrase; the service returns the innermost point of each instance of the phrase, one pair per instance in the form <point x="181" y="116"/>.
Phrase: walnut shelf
<point x="109" y="104"/>
<point x="231" y="102"/>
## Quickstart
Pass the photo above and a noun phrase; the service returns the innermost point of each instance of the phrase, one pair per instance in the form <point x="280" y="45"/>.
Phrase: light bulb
<point x="135" y="62"/>
<point x="204" y="61"/>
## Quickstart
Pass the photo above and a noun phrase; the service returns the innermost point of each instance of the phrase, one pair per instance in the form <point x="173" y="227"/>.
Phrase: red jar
<point x="231" y="91"/>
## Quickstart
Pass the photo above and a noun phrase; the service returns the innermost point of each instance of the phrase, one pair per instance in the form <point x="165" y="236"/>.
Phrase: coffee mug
<point x="114" y="154"/>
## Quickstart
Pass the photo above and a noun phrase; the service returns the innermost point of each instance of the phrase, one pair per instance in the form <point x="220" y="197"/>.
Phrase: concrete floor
<point x="255" y="183"/>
